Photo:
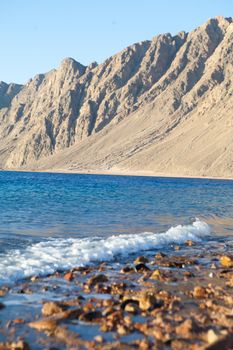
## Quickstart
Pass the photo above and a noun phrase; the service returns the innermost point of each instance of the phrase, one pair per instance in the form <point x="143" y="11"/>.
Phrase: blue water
<point x="58" y="221"/>
<point x="56" y="205"/>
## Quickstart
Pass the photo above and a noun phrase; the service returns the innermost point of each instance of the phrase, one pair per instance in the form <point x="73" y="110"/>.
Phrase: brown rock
<point x="156" y="275"/>
<point x="51" y="308"/>
<point x="99" y="339"/>
<point x="199" y="292"/>
<point x="224" y="342"/>
<point x="141" y="268"/>
<point x="189" y="242"/>
<point x="34" y="278"/>
<point x="160" y="255"/>
<point x="18" y="321"/>
<point x="186" y="328"/>
<point x="127" y="269"/>
<point x="148" y="302"/>
<point x="19" y="345"/>
<point x="132" y="308"/>
<point x="141" y="259"/>
<point x="42" y="325"/>
<point x="3" y="291"/>
<point x="188" y="274"/>
<point x="97" y="279"/>
<point x="68" y="338"/>
<point x="91" y="316"/>
<point x="118" y="288"/>
<point x="69" y="276"/>
<point x="122" y="330"/>
<point x="182" y="344"/>
<point x="130" y="305"/>
<point x="226" y="261"/>
<point x="211" y="336"/>
<point x="108" y="311"/>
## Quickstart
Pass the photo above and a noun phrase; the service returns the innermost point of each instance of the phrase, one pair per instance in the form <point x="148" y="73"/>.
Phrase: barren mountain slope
<point x="162" y="106"/>
<point x="8" y="92"/>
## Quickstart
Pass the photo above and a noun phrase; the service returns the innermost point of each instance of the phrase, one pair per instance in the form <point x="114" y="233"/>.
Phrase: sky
<point x="36" y="35"/>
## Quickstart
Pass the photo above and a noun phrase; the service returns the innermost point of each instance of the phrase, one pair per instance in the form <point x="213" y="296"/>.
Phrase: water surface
<point x="56" y="216"/>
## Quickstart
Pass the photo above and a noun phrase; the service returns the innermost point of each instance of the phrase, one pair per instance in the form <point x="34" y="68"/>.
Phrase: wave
<point x="46" y="257"/>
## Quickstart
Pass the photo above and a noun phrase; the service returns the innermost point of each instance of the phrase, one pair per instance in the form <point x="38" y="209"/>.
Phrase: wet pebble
<point x="97" y="279"/>
<point x="142" y="268"/>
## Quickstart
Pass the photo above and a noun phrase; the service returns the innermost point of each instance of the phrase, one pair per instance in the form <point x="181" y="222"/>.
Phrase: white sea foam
<point x="54" y="254"/>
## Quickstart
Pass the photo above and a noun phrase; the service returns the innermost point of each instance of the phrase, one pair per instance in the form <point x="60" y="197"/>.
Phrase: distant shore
<point x="121" y="173"/>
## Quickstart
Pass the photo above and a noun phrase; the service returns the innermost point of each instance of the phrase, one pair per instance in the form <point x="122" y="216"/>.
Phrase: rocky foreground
<point x="178" y="301"/>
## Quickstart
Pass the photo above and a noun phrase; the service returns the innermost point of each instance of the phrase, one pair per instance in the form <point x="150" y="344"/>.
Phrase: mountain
<point x="7" y="93"/>
<point x="162" y="107"/>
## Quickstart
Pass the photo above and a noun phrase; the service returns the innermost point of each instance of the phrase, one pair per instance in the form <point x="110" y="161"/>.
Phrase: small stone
<point x="127" y="302"/>
<point x="186" y="327"/>
<point x="189" y="243"/>
<point x="226" y="261"/>
<point x="132" y="308"/>
<point x="50" y="308"/>
<point x="188" y="274"/>
<point x="199" y="292"/>
<point x="108" y="311"/>
<point x="148" y="301"/>
<point x="34" y="278"/>
<point x="99" y="339"/>
<point x="91" y="316"/>
<point x="141" y="268"/>
<point x="128" y="320"/>
<point x="3" y="292"/>
<point x="175" y="305"/>
<point x="209" y="304"/>
<point x="160" y="255"/>
<point x="211" y="336"/>
<point x="229" y="300"/>
<point x="181" y="344"/>
<point x="213" y="266"/>
<point x="122" y="330"/>
<point x="19" y="345"/>
<point x="127" y="269"/>
<point x="155" y="275"/>
<point x="42" y="325"/>
<point x="141" y="259"/>
<point x="18" y="321"/>
<point x="118" y="288"/>
<point x="97" y="279"/>
<point x="69" y="276"/>
<point x="144" y="344"/>
<point x="107" y="302"/>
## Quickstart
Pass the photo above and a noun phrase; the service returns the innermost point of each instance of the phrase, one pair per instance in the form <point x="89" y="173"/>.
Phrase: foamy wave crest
<point x="55" y="254"/>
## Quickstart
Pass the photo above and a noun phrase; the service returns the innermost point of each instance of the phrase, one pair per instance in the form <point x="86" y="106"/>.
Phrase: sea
<point x="51" y="221"/>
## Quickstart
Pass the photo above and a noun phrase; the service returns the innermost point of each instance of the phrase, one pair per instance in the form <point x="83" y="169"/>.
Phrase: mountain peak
<point x="70" y="64"/>
<point x="219" y="21"/>
<point x="222" y="19"/>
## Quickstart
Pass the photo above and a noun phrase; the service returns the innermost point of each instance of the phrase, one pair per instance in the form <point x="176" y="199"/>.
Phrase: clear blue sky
<point x="37" y="34"/>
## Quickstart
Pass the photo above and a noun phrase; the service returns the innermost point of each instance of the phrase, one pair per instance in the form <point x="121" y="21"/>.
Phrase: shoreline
<point x="119" y="173"/>
<point x="178" y="301"/>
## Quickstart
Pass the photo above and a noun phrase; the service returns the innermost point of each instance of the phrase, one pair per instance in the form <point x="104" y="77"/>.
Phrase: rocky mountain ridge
<point x="145" y="108"/>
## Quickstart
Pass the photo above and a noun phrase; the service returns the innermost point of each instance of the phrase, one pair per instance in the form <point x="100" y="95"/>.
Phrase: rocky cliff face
<point x="7" y="93"/>
<point x="134" y="101"/>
